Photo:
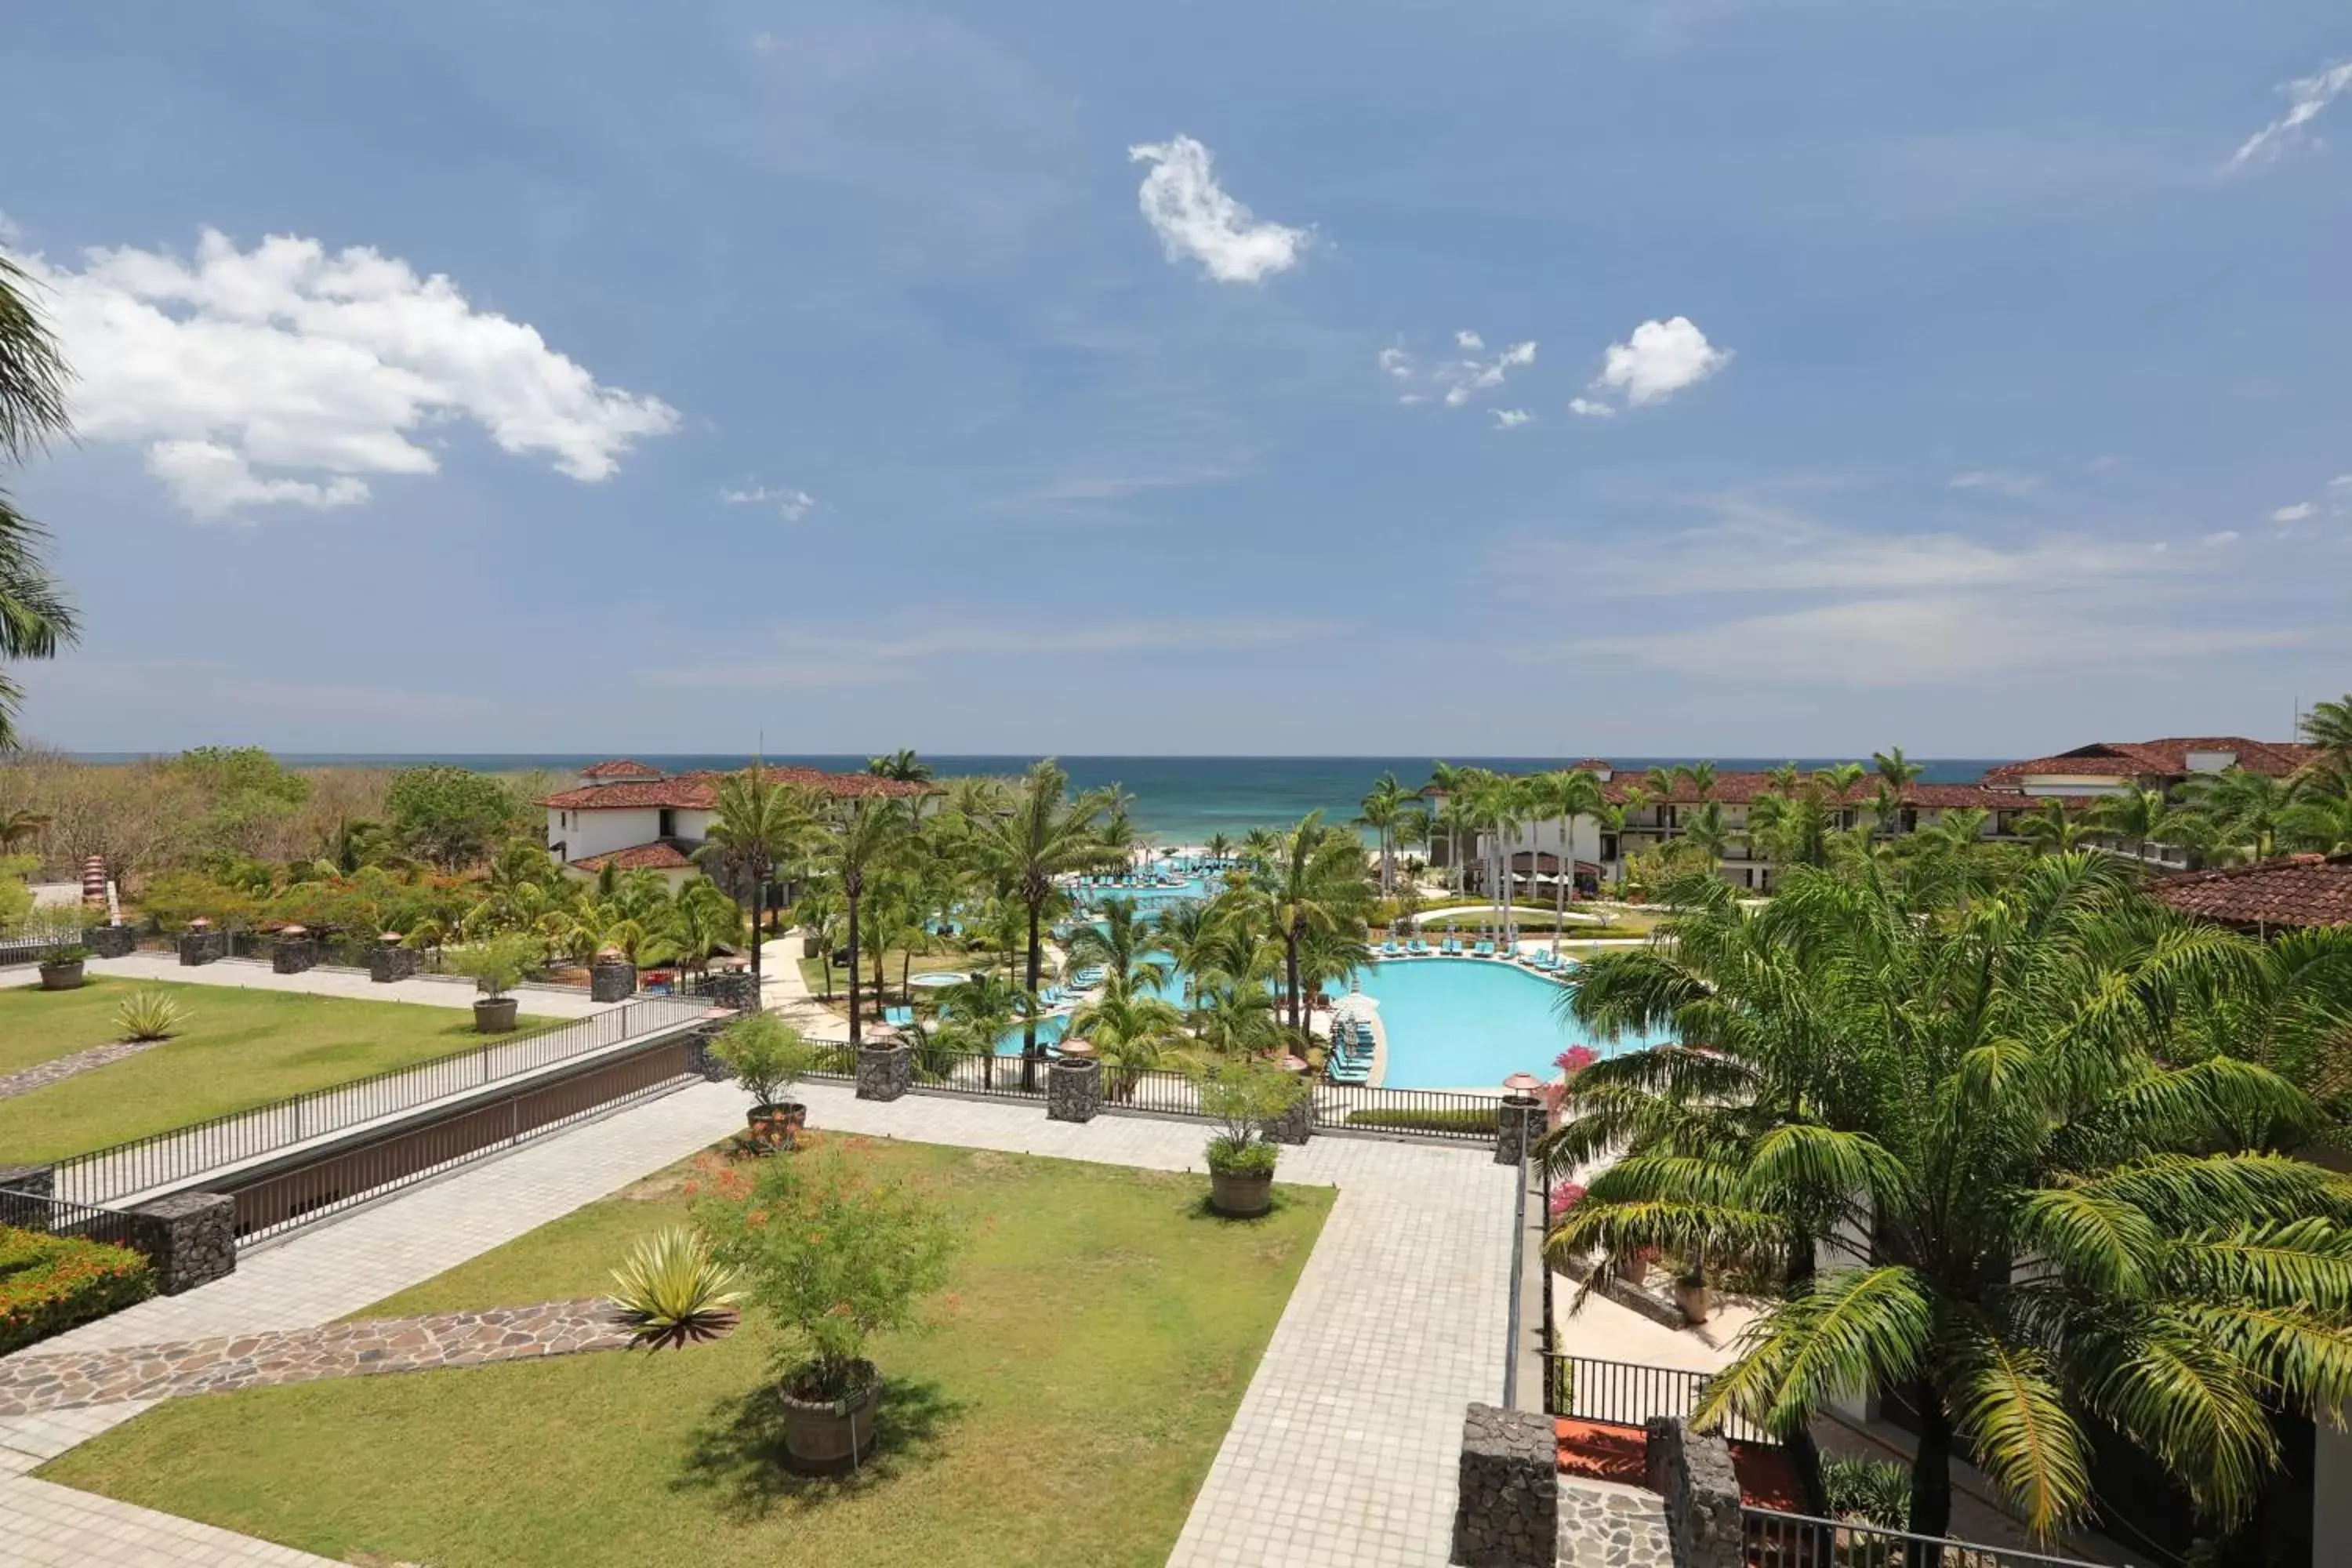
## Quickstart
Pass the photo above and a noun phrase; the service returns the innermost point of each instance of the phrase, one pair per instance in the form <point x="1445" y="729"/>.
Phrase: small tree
<point x="834" y="1254"/>
<point x="497" y="965"/>
<point x="766" y="1055"/>
<point x="1245" y="1094"/>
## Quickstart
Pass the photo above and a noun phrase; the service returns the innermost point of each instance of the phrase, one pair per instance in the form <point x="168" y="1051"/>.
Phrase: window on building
<point x="669" y="824"/>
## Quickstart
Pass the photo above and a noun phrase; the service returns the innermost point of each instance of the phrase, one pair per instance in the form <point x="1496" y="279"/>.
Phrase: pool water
<point x="1470" y="1023"/>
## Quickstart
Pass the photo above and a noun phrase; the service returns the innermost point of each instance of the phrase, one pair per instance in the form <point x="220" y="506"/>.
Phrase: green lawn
<point x="812" y="971"/>
<point x="1064" y="1409"/>
<point x="242" y="1048"/>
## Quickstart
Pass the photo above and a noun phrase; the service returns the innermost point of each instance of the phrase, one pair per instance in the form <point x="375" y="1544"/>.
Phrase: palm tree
<point x="1383" y="809"/>
<point x="699" y="921"/>
<point x="1568" y="794"/>
<point x="1238" y="1020"/>
<point x="1047" y="835"/>
<point x="1220" y="846"/>
<point x="1840" y="778"/>
<point x="2244" y="808"/>
<point x="1699" y="776"/>
<point x="755" y="825"/>
<point x="1966" y="1079"/>
<point x="1184" y="930"/>
<point x="1315" y="884"/>
<point x="21" y="827"/>
<point x="1131" y="1033"/>
<point x="35" y="619"/>
<point x="902" y="765"/>
<point x="1121" y="944"/>
<point x="1708" y="832"/>
<point x="2328" y="726"/>
<point x="1897" y="769"/>
<point x="2321" y="820"/>
<point x="2052" y="830"/>
<point x="2137" y="817"/>
<point x="1446" y="780"/>
<point x="864" y="836"/>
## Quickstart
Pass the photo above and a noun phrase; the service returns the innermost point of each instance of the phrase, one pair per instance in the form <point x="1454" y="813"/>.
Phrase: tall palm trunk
<point x="1931" y="1477"/>
<point x="1029" y="1025"/>
<point x="1290" y="963"/>
<point x="1566" y="867"/>
<point x="851" y="889"/>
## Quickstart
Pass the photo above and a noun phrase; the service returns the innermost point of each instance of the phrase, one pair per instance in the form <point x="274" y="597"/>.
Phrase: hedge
<point x="1463" y="1121"/>
<point x="49" y="1283"/>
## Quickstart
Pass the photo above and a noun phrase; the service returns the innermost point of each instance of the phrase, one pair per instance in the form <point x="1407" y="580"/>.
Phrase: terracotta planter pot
<point x="1240" y="1196"/>
<point x="64" y="976"/>
<point x="777" y="1126"/>
<point x="1633" y="1270"/>
<point x="1697" y="1301"/>
<point x="495" y="1014"/>
<point x="827" y="1438"/>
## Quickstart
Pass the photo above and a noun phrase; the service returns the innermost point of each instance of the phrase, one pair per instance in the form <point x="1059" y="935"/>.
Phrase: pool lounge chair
<point x="1452" y="947"/>
<point x="1389" y="949"/>
<point x="897" y="1018"/>
<point x="1415" y="947"/>
<point x="1484" y="950"/>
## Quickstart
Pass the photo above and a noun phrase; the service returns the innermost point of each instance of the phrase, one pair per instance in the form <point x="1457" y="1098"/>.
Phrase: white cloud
<point x="2306" y="96"/>
<point x="2295" y="513"/>
<point x="1467" y="339"/>
<point x="2340" y="482"/>
<point x="284" y="375"/>
<point x="1397" y="363"/>
<point x="1510" y="418"/>
<point x="2227" y="536"/>
<point x="1467" y="378"/>
<point x="1586" y="408"/>
<point x="2001" y="481"/>
<point x="792" y="504"/>
<point x="1660" y="358"/>
<point x="1410" y="398"/>
<point x="1193" y="217"/>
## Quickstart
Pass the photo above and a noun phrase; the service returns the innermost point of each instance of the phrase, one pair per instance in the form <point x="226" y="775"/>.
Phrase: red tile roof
<point x="2293" y="891"/>
<point x="620" y="768"/>
<point x="2166" y="758"/>
<point x="699" y="791"/>
<point x="661" y="855"/>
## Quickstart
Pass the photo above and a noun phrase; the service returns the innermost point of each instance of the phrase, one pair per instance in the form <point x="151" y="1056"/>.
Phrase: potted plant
<point x="1634" y="1267"/>
<point x="61" y="962"/>
<point x="1245" y="1094"/>
<point x="496" y="966"/>
<point x="767" y="1057"/>
<point x="832" y="1254"/>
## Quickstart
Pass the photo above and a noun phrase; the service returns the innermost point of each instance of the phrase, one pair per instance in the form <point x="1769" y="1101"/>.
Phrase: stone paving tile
<point x="429" y="990"/>
<point x="38" y="1385"/>
<point x="56" y="1070"/>
<point x="1602" y="1525"/>
<point x="43" y="1525"/>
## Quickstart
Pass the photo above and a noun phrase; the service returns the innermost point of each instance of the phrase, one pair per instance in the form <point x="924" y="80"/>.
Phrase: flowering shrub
<point x="49" y="1283"/>
<point x="1575" y="1059"/>
<point x="1565" y="1197"/>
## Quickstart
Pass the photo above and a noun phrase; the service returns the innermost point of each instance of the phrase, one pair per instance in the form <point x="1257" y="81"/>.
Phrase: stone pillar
<point x="388" y="962"/>
<point x="21" y="1188"/>
<point x="733" y="988"/>
<point x="202" y="944"/>
<point x="612" y="979"/>
<point x="293" y="951"/>
<point x="1074" y="1089"/>
<point x="191" y="1238"/>
<point x="884" y="1072"/>
<point x="110" y="942"/>
<point x="1518" y="1125"/>
<point x="1509" y="1511"/>
<point x="1691" y="1471"/>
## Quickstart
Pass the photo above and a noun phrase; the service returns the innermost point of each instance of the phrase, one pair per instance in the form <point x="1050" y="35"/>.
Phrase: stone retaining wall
<point x="1508" y="1515"/>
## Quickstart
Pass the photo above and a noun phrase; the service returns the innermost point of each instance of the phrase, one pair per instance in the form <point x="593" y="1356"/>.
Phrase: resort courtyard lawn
<point x="813" y="974"/>
<point x="1062" y="1408"/>
<point x="240" y="1048"/>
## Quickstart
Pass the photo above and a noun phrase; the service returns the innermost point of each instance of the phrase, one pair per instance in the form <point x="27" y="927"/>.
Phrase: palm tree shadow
<point x="737" y="1453"/>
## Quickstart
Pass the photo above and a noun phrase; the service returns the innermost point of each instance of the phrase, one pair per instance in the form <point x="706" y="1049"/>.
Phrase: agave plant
<point x="670" y="1293"/>
<point x="151" y="1015"/>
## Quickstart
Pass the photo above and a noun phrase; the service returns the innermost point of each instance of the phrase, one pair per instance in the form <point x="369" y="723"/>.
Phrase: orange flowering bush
<point x="49" y="1283"/>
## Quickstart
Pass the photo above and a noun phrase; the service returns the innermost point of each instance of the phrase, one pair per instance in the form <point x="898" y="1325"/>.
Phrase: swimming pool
<point x="1148" y="899"/>
<point x="1470" y="1023"/>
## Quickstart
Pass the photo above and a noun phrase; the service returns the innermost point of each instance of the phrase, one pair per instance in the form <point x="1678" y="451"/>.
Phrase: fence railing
<point x="1628" y="1394"/>
<point x="60" y="1216"/>
<point x="21" y="951"/>
<point x="1798" y="1541"/>
<point x="1152" y="1088"/>
<point x="164" y="1159"/>
<point x="1425" y="1112"/>
<point x="983" y="1073"/>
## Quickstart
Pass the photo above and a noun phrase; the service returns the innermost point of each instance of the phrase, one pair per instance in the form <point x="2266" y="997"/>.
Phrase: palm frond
<point x="2006" y="1401"/>
<point x="1853" y="1331"/>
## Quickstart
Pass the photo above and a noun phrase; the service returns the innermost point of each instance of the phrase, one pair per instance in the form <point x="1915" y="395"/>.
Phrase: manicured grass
<point x="812" y="971"/>
<point x="1064" y="1408"/>
<point x="241" y="1048"/>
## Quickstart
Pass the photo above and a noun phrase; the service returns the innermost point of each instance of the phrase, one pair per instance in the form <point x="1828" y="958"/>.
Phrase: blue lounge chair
<point x="1389" y="949"/>
<point x="897" y="1018"/>
<point x="1484" y="950"/>
<point x="1452" y="947"/>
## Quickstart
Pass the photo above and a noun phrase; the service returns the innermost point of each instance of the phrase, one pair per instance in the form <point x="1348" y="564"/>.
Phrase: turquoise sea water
<point x="1179" y="800"/>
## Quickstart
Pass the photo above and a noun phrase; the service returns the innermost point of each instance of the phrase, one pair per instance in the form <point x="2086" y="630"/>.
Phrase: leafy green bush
<point x="1246" y="1093"/>
<point x="1461" y="1121"/>
<point x="50" y="1283"/>
<point x="1228" y="1158"/>
<point x="671" y="1293"/>
<point x="151" y="1015"/>
<point x="496" y="966"/>
<point x="1878" y="1491"/>
<point x="766" y="1055"/>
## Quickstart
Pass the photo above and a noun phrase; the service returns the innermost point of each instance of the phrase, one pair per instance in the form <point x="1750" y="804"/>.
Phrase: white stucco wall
<point x="599" y="832"/>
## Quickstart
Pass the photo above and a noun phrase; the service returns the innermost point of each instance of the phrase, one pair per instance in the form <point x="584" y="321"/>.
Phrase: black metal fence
<point x="1152" y="1088"/>
<point x="164" y="1159"/>
<point x="1628" y="1394"/>
<point x="21" y="951"/>
<point x="1798" y="1541"/>
<point x="982" y="1073"/>
<point x="58" y="1217"/>
<point x="1423" y="1112"/>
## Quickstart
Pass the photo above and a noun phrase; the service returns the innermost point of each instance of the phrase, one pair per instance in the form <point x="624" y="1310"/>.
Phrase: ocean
<point x="1178" y="800"/>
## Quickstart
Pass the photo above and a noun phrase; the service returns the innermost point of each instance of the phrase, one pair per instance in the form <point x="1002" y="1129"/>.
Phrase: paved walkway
<point x="1343" y="1450"/>
<point x="56" y="1070"/>
<point x="42" y="1383"/>
<point x="1605" y="1525"/>
<point x="254" y="974"/>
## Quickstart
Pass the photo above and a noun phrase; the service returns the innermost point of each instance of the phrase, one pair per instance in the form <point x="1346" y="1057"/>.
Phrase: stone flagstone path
<point x="35" y="1385"/>
<point x="1343" y="1450"/>
<point x="40" y="1074"/>
<point x="1604" y="1525"/>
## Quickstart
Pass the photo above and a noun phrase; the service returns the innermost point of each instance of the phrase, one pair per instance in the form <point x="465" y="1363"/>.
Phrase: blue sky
<point x="1975" y="374"/>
